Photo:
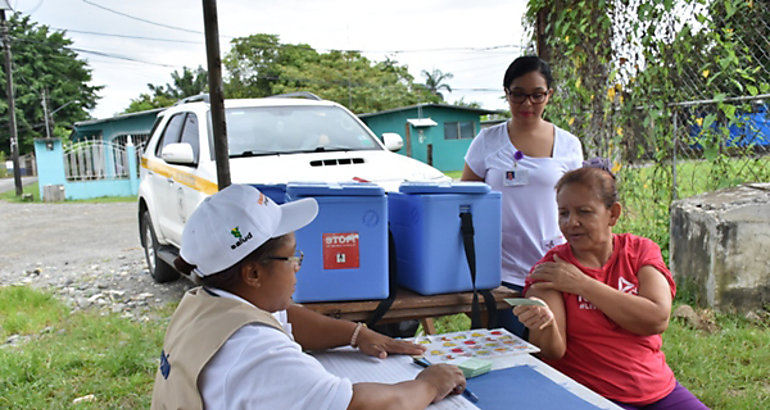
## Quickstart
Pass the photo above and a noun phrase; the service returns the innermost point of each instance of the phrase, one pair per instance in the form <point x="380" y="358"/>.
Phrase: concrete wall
<point x="720" y="243"/>
<point x="50" y="164"/>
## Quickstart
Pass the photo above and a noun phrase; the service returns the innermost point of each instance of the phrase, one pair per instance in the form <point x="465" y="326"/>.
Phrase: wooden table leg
<point x="428" y="326"/>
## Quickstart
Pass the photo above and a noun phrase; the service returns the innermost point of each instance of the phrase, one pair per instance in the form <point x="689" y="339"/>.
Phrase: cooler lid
<point x="269" y="186"/>
<point x="465" y="187"/>
<point x="301" y="189"/>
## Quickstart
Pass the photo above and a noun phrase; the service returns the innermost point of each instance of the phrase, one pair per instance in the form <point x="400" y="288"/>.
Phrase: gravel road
<point x="88" y="254"/>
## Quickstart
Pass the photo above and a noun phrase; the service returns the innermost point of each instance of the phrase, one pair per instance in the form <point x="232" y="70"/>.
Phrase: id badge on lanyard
<point x="516" y="177"/>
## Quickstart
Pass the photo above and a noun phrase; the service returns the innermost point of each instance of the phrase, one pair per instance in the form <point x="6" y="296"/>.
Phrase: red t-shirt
<point x="601" y="355"/>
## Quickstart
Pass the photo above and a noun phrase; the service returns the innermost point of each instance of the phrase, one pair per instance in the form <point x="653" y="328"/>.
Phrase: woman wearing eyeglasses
<point x="537" y="153"/>
<point x="239" y="342"/>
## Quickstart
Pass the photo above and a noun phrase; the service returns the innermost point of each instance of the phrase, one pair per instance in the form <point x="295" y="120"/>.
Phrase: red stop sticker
<point x="341" y="250"/>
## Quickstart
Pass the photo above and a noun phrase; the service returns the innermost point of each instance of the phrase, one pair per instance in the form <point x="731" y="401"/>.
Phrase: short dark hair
<point x="524" y="65"/>
<point x="600" y="181"/>
<point x="229" y="278"/>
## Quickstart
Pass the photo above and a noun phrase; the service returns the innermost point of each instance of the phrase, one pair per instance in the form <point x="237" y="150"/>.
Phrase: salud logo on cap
<point x="236" y="232"/>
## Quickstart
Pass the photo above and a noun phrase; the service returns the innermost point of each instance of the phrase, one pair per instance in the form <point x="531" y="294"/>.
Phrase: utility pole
<point x="45" y="115"/>
<point x="216" y="94"/>
<point x="11" y="103"/>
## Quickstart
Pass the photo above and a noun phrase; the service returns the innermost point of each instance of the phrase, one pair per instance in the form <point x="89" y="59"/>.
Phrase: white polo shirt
<point x="261" y="367"/>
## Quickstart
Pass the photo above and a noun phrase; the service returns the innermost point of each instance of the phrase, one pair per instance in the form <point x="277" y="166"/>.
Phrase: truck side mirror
<point x="393" y="141"/>
<point x="180" y="153"/>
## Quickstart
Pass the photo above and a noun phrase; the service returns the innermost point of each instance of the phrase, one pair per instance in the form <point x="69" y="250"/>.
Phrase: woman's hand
<point x="379" y="345"/>
<point x="535" y="317"/>
<point x="430" y="386"/>
<point x="547" y="325"/>
<point x="558" y="275"/>
<point x="445" y="378"/>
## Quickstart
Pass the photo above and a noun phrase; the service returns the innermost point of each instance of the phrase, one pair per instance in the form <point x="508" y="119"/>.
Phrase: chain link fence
<point x="717" y="57"/>
<point x="676" y="93"/>
<point x="710" y="150"/>
<point x="689" y="92"/>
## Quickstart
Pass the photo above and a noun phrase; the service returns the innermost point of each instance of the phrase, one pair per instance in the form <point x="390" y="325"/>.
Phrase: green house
<point x="117" y="129"/>
<point x="437" y="134"/>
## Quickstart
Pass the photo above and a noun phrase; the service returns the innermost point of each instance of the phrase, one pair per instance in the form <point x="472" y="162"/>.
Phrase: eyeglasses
<point x="296" y="259"/>
<point x="519" y="97"/>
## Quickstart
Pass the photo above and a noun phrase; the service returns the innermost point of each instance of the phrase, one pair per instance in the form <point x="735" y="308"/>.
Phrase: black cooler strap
<point x="385" y="304"/>
<point x="466" y="229"/>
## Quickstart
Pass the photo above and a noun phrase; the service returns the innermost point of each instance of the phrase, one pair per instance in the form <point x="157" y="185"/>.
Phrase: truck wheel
<point x="159" y="270"/>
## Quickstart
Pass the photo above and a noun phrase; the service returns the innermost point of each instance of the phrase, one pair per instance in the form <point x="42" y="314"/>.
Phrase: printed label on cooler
<point x="340" y="250"/>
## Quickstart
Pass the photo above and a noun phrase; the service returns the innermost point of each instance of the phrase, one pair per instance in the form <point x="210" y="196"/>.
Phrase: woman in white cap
<point x="238" y="341"/>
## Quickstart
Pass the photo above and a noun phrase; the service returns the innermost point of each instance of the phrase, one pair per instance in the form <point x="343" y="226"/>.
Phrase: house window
<point x="459" y="130"/>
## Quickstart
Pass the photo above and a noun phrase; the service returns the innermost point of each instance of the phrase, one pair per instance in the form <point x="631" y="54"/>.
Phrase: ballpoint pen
<point x="423" y="362"/>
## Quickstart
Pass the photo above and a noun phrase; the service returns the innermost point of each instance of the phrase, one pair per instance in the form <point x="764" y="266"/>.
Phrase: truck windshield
<point x="255" y="131"/>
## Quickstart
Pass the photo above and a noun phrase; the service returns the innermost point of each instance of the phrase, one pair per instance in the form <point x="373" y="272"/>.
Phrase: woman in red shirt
<point x="609" y="299"/>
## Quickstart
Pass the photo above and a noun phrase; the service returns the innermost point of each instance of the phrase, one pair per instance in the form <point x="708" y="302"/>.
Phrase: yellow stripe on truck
<point x="184" y="178"/>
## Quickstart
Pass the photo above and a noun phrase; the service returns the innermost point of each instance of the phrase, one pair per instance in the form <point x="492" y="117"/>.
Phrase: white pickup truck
<point x="270" y="141"/>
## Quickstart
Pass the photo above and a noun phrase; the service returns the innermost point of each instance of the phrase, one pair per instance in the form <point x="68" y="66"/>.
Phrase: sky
<point x="130" y="43"/>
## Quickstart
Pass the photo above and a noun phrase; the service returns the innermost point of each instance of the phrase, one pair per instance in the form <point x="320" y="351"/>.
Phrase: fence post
<point x="50" y="163"/>
<point x="132" y="168"/>
<point x="673" y="160"/>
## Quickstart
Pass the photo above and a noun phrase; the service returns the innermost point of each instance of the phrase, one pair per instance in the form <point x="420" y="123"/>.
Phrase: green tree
<point x="474" y="104"/>
<point x="43" y="64"/>
<point x="435" y="82"/>
<point x="259" y="66"/>
<point x="576" y="39"/>
<point x="185" y="84"/>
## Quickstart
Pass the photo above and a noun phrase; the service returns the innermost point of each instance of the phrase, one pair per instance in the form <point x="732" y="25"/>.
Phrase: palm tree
<point x="434" y="81"/>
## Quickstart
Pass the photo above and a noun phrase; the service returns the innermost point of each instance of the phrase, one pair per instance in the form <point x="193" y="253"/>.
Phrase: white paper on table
<point x="358" y="367"/>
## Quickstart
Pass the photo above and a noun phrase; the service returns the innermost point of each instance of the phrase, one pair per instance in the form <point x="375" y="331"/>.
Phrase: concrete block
<point x="53" y="193"/>
<point x="720" y="243"/>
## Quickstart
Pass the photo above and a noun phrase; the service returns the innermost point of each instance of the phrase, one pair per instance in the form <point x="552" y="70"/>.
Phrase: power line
<point x="136" y="60"/>
<point x="85" y="51"/>
<point x="117" y="56"/>
<point x="445" y="49"/>
<point x="120" y="13"/>
<point x="94" y="33"/>
<point x="403" y="51"/>
<point x="474" y="49"/>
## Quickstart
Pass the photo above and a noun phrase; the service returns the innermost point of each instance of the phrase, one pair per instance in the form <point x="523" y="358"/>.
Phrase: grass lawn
<point x="72" y="355"/>
<point x="33" y="189"/>
<point x="454" y="174"/>
<point x="10" y="195"/>
<point x="68" y="356"/>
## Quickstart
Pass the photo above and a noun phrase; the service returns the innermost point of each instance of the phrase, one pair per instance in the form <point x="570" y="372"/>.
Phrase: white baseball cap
<point x="229" y="225"/>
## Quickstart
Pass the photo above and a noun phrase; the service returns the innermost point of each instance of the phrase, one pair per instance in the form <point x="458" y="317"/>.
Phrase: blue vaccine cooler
<point x="426" y="225"/>
<point x="276" y="192"/>
<point x="346" y="246"/>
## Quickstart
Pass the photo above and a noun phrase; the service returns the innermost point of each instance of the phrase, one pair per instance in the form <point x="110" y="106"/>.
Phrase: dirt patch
<point x="89" y="254"/>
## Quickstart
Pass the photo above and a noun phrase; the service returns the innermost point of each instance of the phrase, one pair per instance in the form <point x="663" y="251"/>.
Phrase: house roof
<point x="480" y="111"/>
<point x="117" y="117"/>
